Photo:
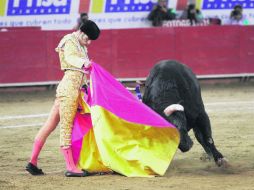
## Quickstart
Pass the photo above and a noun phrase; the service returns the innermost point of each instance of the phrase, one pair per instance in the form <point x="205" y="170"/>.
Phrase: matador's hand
<point x="87" y="67"/>
<point x="87" y="64"/>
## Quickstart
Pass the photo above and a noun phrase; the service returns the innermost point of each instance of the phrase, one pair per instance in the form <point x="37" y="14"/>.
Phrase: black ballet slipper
<point x="99" y="173"/>
<point x="73" y="174"/>
<point x="34" y="170"/>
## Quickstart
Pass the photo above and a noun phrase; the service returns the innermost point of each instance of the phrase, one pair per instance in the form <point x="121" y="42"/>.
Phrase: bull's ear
<point x="172" y="108"/>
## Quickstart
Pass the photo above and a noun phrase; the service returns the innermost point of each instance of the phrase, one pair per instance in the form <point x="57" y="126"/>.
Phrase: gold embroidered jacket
<point x="71" y="54"/>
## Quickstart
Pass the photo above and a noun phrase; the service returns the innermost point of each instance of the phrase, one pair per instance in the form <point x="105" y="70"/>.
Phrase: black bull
<point x="171" y="82"/>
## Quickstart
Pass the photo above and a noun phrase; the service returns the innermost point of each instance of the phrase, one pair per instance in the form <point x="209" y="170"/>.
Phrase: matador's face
<point x="83" y="39"/>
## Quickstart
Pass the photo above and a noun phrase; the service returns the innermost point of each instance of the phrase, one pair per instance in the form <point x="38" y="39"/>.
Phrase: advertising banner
<point x="63" y="14"/>
<point x="48" y="14"/>
<point x="109" y="14"/>
<point x="116" y="14"/>
<point x="222" y="8"/>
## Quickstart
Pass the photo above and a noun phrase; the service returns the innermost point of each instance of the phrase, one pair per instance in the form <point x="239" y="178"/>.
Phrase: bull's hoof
<point x="205" y="157"/>
<point x="222" y="162"/>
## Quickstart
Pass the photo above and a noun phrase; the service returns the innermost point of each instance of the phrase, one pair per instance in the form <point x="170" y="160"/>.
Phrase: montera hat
<point x="90" y="29"/>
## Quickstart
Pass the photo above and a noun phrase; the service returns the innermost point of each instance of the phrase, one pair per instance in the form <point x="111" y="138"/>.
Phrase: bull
<point x="173" y="91"/>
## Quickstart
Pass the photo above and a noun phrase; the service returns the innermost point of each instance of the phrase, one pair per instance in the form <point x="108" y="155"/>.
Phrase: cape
<point x="115" y="131"/>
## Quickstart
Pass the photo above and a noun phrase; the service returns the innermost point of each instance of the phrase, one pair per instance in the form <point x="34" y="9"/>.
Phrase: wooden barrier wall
<point x="28" y="55"/>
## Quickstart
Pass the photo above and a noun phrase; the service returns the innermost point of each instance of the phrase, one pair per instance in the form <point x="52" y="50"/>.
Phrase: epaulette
<point x="64" y="40"/>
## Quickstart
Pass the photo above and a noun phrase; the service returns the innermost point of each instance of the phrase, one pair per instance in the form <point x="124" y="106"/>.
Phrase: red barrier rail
<point x="29" y="56"/>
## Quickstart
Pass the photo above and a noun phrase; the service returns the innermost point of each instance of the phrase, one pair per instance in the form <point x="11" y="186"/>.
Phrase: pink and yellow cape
<point x="117" y="132"/>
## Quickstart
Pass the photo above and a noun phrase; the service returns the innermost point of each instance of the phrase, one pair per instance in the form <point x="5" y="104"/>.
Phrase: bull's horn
<point x="172" y="108"/>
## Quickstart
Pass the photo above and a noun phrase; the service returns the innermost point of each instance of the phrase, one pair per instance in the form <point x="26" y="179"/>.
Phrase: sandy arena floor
<point x="231" y="111"/>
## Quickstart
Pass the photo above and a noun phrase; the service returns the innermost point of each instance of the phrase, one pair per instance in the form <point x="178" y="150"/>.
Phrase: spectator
<point x="160" y="13"/>
<point x="193" y="14"/>
<point x="215" y="21"/>
<point x="199" y="15"/>
<point x="238" y="8"/>
<point x="83" y="17"/>
<point x="237" y="17"/>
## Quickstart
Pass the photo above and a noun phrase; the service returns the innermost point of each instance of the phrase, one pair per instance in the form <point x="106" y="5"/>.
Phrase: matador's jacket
<point x="72" y="57"/>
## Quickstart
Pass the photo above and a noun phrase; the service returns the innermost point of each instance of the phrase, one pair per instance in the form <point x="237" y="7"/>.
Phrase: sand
<point x="231" y="111"/>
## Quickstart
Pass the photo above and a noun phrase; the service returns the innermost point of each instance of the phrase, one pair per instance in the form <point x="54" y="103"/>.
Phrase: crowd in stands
<point x="161" y="13"/>
<point x="237" y="17"/>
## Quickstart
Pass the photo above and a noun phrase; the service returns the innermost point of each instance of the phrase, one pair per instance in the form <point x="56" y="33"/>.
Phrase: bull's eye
<point x="178" y="119"/>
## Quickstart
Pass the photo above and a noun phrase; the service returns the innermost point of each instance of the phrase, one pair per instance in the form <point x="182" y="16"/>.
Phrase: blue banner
<point x="38" y="7"/>
<point x="129" y="5"/>
<point x="227" y="4"/>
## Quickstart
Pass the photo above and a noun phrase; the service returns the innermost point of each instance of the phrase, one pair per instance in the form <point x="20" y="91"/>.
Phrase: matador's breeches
<point x="68" y="93"/>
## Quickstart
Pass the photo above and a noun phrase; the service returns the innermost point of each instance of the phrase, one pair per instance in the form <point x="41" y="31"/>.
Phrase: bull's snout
<point x="185" y="143"/>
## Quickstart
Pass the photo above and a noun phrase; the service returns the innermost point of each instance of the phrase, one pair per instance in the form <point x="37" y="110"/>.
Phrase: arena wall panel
<point x="29" y="55"/>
